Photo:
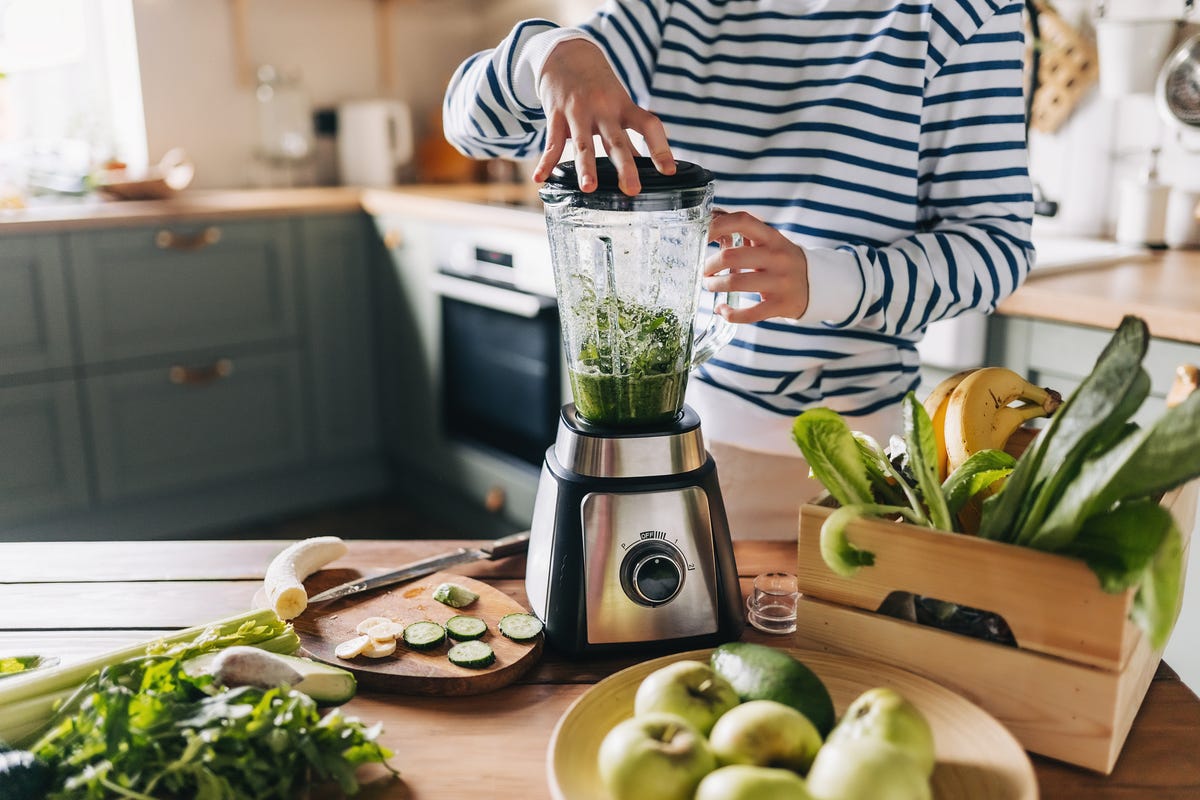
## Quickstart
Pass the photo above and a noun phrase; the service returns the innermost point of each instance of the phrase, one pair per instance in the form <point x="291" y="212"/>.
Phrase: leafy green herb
<point x="923" y="460"/>
<point x="144" y="728"/>
<point x="1115" y="383"/>
<point x="975" y="475"/>
<point x="833" y="455"/>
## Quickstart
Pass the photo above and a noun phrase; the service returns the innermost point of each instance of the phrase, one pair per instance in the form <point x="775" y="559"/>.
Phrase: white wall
<point x="1107" y="139"/>
<point x="193" y="97"/>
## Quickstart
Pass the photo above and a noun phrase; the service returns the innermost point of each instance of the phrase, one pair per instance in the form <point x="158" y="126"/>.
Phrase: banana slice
<point x="385" y="631"/>
<point x="368" y="623"/>
<point x="284" y="581"/>
<point x="377" y="649"/>
<point x="352" y="648"/>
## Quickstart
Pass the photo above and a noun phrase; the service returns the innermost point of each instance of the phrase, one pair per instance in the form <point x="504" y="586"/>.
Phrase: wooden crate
<point x="1074" y="683"/>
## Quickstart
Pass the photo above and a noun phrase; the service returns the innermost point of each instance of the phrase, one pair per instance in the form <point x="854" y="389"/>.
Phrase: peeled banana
<point x="986" y="407"/>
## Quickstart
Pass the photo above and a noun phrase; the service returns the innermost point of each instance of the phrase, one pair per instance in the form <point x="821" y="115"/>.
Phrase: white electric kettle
<point x="375" y="138"/>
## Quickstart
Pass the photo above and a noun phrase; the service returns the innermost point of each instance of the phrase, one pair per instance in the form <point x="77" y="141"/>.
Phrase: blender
<point x="629" y="546"/>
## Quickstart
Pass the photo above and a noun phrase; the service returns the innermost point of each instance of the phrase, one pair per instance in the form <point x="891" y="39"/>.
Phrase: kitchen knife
<point x="505" y="546"/>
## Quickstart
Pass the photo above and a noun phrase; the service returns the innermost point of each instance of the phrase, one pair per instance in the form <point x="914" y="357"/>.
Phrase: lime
<point x="759" y="672"/>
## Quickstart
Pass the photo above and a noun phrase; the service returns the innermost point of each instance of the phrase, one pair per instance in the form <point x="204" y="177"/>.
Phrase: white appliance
<point x="375" y="139"/>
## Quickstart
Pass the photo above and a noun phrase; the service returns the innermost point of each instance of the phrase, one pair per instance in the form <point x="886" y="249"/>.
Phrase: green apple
<point x="765" y="733"/>
<point x="886" y="714"/>
<point x="654" y="756"/>
<point x="690" y="689"/>
<point x="866" y="769"/>
<point x="745" y="782"/>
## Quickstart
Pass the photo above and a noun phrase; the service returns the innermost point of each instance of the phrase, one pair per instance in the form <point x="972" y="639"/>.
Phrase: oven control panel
<point x="520" y="259"/>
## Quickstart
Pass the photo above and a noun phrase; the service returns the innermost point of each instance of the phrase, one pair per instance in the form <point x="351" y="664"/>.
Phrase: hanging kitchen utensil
<point x="1065" y="67"/>
<point x="1177" y="92"/>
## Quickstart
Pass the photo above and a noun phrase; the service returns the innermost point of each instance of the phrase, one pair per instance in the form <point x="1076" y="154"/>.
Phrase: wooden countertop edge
<point x="1035" y="302"/>
<point x="504" y="204"/>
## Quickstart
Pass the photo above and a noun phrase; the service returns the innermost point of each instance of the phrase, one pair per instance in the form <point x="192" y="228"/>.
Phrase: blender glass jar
<point x="627" y="274"/>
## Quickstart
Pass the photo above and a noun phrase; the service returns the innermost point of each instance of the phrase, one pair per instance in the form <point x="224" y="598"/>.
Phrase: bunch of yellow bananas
<point x="980" y="409"/>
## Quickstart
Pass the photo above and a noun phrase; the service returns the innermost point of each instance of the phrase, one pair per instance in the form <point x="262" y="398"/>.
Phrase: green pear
<point x="655" y="756"/>
<point x="745" y="782"/>
<point x="866" y="769"/>
<point x="885" y="714"/>
<point x="765" y="733"/>
<point x="691" y="689"/>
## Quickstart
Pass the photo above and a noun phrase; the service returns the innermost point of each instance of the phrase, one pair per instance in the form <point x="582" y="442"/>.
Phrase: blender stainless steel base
<point x="629" y="545"/>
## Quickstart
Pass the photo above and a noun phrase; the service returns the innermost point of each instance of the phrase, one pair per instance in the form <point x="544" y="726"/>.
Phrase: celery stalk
<point x="24" y="698"/>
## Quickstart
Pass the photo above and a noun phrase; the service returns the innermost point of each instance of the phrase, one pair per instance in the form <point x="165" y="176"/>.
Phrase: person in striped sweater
<point x="871" y="153"/>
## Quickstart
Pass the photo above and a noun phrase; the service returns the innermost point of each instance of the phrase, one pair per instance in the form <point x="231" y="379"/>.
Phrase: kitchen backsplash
<point x="193" y="98"/>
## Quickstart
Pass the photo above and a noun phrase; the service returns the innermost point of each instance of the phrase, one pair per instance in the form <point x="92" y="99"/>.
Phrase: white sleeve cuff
<point x="835" y="287"/>
<point x="532" y="58"/>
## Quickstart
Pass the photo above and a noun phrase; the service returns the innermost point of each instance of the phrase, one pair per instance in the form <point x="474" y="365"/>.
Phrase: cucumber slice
<point x="464" y="628"/>
<point x="520" y="627"/>
<point x="472" y="655"/>
<point x="454" y="595"/>
<point x="424" y="635"/>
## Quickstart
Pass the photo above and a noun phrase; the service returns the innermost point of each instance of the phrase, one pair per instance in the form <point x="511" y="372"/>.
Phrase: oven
<point x="501" y="357"/>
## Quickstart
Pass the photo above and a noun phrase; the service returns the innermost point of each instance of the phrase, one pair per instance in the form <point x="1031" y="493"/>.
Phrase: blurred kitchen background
<point x="237" y="260"/>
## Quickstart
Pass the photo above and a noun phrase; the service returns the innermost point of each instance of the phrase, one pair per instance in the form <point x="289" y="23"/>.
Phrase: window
<point x="70" y="97"/>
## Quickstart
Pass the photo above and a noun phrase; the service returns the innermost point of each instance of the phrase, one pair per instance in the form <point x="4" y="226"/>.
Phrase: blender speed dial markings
<point x="653" y="572"/>
<point x="649" y="536"/>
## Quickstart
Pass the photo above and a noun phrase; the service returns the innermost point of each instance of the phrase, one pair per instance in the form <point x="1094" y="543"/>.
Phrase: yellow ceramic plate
<point x="977" y="758"/>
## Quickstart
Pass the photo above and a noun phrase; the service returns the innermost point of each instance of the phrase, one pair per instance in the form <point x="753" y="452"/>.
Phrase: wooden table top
<point x="77" y="599"/>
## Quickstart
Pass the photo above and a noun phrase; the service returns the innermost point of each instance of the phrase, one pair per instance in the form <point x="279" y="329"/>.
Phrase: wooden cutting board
<point x="324" y="626"/>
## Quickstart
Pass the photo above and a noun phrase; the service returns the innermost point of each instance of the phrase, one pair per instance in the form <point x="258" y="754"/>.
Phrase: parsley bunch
<point x="145" y="729"/>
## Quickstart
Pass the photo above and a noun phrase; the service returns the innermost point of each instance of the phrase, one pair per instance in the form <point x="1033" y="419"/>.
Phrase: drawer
<point x="150" y="291"/>
<point x="42" y="469"/>
<point x="183" y="425"/>
<point x="34" y="332"/>
<point x="1072" y="351"/>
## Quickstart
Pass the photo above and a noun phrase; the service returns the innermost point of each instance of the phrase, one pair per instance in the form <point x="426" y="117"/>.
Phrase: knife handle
<point x="510" y="545"/>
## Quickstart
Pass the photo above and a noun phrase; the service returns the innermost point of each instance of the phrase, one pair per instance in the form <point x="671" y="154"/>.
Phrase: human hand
<point x="583" y="98"/>
<point x="767" y="262"/>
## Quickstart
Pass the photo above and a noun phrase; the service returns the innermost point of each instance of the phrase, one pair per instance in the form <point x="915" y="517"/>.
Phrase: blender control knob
<point x="652" y="575"/>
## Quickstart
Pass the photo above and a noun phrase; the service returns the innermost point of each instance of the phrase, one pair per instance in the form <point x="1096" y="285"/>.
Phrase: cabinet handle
<point x="169" y="240"/>
<point x="200" y="376"/>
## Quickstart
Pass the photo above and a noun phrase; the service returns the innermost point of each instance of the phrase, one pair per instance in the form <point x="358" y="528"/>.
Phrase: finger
<point x="652" y="130"/>
<point x="751" y="227"/>
<point x="585" y="161"/>
<point x="620" y="150"/>
<point x="556" y="141"/>
<point x="738" y="282"/>
<point x="755" y="313"/>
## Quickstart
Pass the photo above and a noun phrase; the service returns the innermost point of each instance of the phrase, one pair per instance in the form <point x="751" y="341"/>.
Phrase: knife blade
<point x="504" y="546"/>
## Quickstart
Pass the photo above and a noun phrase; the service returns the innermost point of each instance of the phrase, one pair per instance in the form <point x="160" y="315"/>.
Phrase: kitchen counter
<point x="1162" y="287"/>
<point x="90" y="597"/>
<point x="93" y="212"/>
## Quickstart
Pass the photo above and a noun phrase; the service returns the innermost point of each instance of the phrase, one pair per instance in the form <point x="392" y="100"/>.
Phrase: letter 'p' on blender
<point x="630" y="545"/>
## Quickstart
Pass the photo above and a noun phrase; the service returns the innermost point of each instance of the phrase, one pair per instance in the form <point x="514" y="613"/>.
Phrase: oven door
<point x="501" y="369"/>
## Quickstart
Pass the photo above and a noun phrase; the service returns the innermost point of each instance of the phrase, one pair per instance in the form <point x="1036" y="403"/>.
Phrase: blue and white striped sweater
<point x="887" y="138"/>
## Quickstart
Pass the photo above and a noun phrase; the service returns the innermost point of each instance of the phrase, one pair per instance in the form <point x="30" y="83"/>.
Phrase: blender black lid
<point x="687" y="176"/>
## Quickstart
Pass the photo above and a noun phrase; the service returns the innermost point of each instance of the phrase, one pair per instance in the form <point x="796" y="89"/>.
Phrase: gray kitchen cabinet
<point x="339" y="332"/>
<point x="170" y="427"/>
<point x="180" y="287"/>
<point x="34" y="331"/>
<point x="165" y="379"/>
<point x="42" y="467"/>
